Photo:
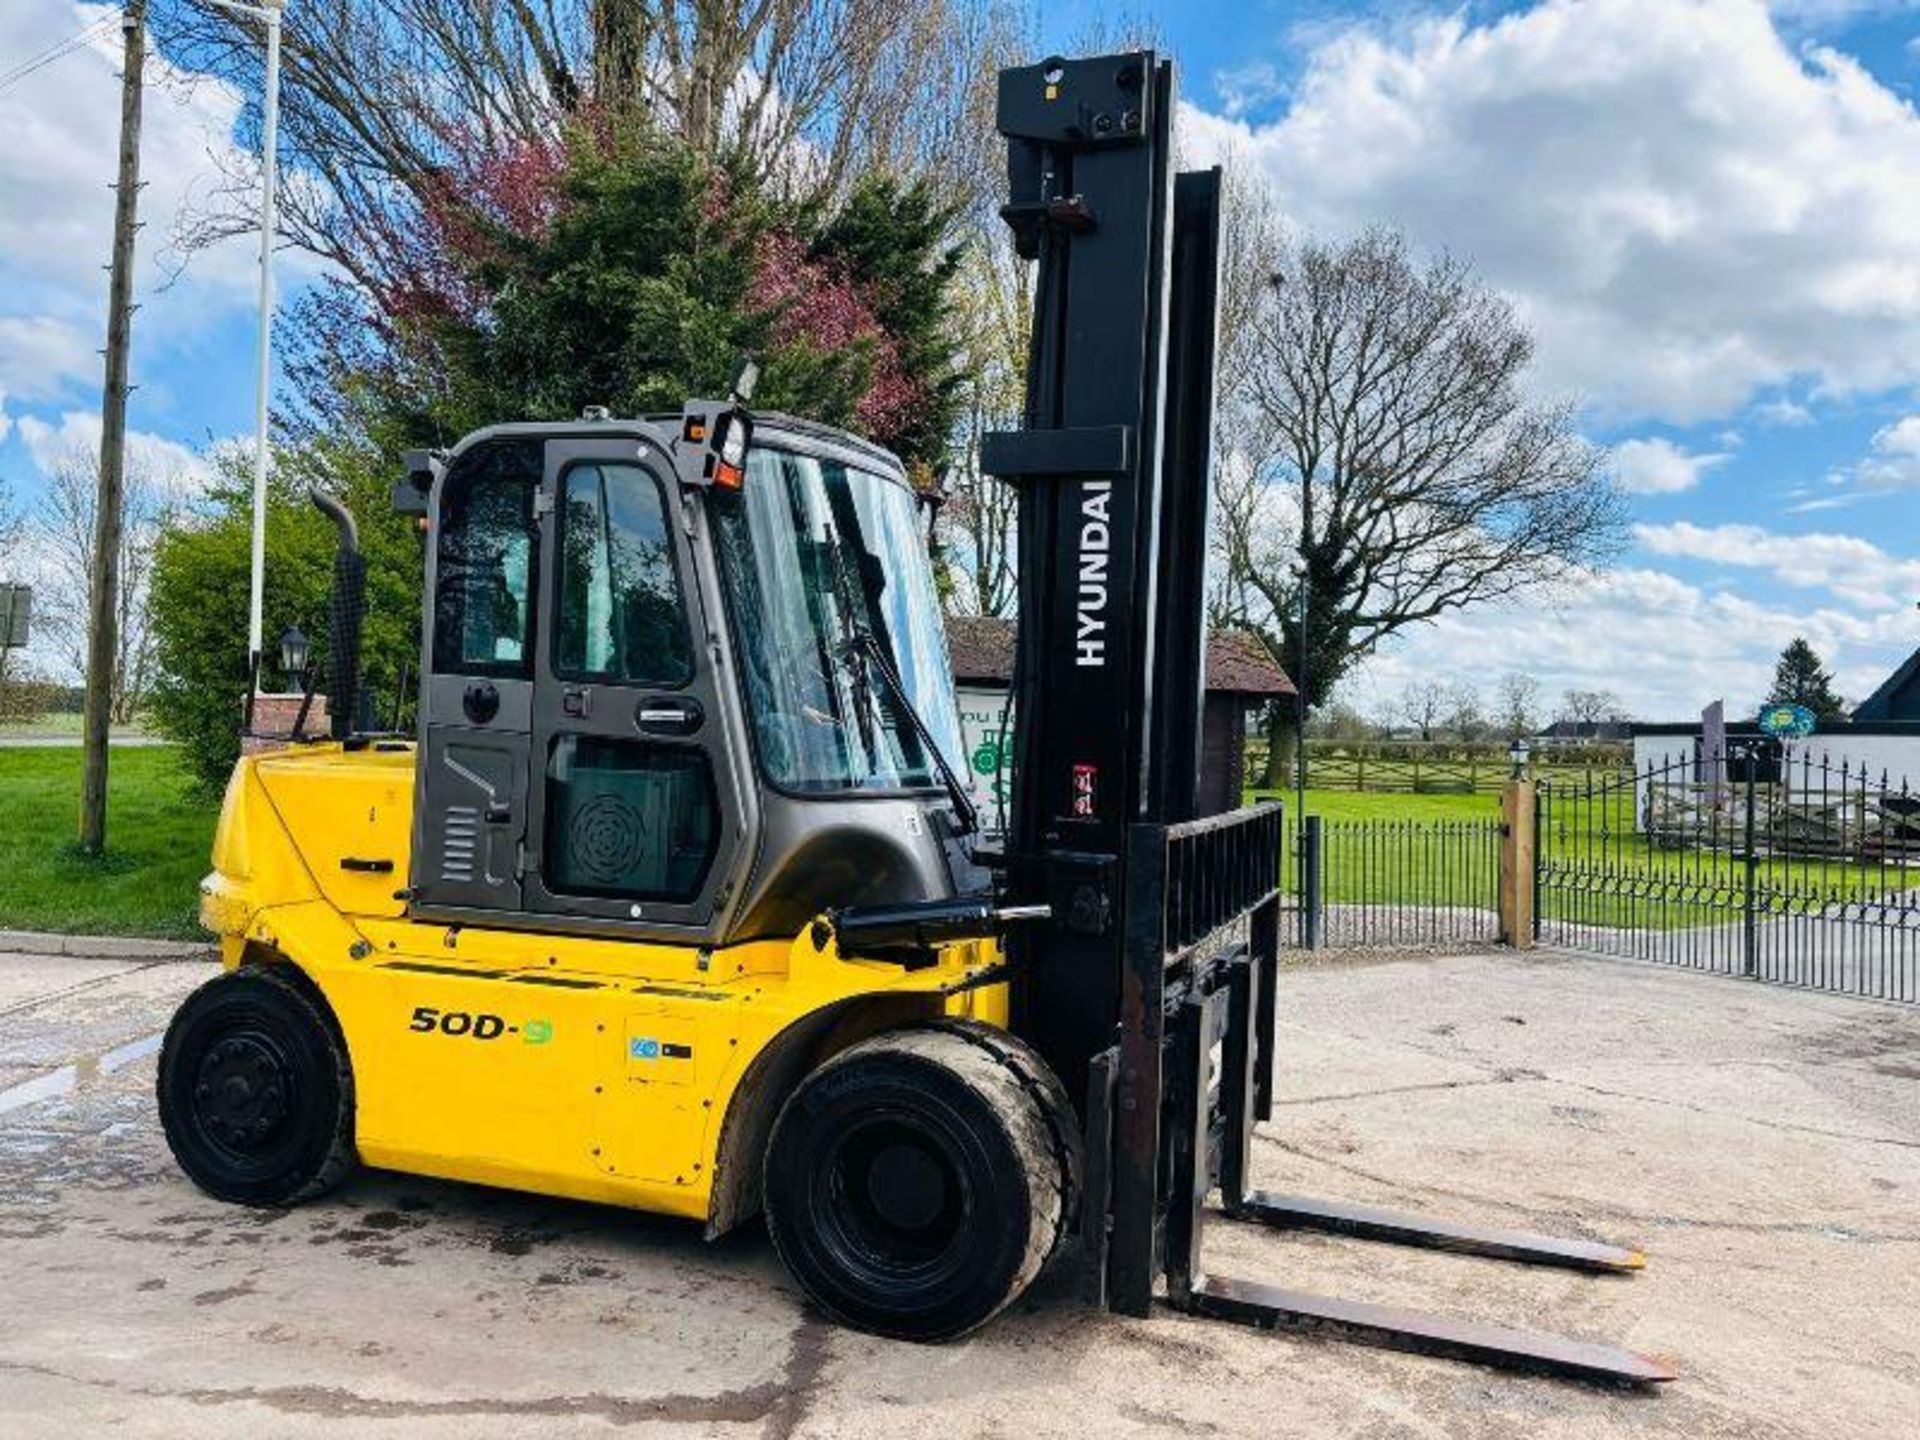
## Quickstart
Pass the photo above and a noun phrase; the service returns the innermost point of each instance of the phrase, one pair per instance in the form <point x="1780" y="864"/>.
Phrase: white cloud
<point x="177" y="471"/>
<point x="1664" y="646"/>
<point x="6" y="420"/>
<point x="1249" y="86"/>
<point x="1893" y="462"/>
<point x="41" y="357"/>
<point x="56" y="207"/>
<point x="1686" y="208"/>
<point x="1828" y="11"/>
<point x="1855" y="571"/>
<point x="1782" y="411"/>
<point x="1659" y="467"/>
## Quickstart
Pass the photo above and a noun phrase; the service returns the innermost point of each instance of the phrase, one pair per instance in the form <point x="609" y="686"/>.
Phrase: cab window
<point x="628" y="820"/>
<point x="483" y="590"/>
<point x="620" y="612"/>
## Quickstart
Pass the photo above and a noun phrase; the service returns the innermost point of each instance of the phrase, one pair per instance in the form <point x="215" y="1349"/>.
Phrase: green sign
<point x="1787" y="722"/>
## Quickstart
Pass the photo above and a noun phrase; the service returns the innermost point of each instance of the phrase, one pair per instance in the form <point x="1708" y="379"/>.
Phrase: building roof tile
<point x="981" y="647"/>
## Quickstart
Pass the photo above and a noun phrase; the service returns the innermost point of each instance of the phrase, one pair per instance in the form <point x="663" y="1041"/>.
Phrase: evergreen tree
<point x="618" y="268"/>
<point x="890" y="240"/>
<point x="1799" y="678"/>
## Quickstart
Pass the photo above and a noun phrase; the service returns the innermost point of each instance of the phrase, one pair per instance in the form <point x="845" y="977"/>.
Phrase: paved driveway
<point x="1764" y="1145"/>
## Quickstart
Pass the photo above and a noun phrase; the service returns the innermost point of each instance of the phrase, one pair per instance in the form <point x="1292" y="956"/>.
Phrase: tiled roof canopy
<point x="1237" y="663"/>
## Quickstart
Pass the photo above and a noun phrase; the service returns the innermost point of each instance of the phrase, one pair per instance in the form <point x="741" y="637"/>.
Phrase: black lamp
<point x="1517" y="753"/>
<point x="293" y="653"/>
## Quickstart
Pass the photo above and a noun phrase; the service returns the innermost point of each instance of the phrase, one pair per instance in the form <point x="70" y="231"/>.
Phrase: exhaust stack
<point x="347" y="614"/>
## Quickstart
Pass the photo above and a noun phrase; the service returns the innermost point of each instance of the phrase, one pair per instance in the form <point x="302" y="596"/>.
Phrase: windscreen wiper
<point x="963" y="805"/>
<point x="863" y="642"/>
<point x="842" y="654"/>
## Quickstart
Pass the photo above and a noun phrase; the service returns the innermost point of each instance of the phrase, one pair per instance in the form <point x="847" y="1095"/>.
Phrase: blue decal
<point x="643" y="1048"/>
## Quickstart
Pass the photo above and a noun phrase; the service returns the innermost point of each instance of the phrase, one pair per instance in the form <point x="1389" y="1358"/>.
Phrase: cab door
<point x="631" y="795"/>
<point x="470" y="814"/>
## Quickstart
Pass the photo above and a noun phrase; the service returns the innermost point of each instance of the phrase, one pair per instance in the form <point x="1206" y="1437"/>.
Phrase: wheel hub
<point x="240" y="1092"/>
<point x="907" y="1186"/>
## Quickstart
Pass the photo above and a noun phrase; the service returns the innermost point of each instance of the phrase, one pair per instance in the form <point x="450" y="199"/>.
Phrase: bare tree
<point x="64" y="525"/>
<point x="978" y="522"/>
<point x="387" y="104"/>
<point x="1252" y="243"/>
<point x="11" y="530"/>
<point x="1389" y="457"/>
<point x="1421" y="705"/>
<point x="1589" y="707"/>
<point x="1340" y="721"/>
<point x="1465" y="717"/>
<point x="1518" y="704"/>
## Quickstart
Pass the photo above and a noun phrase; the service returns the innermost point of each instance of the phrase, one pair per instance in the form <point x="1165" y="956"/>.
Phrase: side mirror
<point x="746" y="378"/>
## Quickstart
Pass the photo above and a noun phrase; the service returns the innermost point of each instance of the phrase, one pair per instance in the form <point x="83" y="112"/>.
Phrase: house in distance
<point x="1898" y="697"/>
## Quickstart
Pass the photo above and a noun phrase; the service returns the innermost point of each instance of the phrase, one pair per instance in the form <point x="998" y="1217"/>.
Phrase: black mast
<point x="1112" y="472"/>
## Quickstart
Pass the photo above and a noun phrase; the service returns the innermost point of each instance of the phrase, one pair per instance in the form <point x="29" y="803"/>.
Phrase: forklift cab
<point x="649" y="705"/>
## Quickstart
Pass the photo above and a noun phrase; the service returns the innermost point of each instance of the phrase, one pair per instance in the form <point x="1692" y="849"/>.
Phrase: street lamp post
<point x="1307" y="830"/>
<point x="268" y="13"/>
<point x="1300" y="696"/>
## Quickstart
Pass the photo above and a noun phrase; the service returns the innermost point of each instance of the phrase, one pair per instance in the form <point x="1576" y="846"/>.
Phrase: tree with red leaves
<point x="617" y="268"/>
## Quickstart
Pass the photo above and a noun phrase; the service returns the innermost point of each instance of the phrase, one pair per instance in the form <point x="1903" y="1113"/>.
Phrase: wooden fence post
<point x="1517" y="859"/>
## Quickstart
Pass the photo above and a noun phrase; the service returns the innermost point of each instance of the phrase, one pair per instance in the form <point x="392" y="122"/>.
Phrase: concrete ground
<point x="1762" y="1144"/>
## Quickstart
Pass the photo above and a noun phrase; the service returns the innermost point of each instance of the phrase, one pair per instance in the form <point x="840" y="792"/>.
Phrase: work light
<point x="730" y="448"/>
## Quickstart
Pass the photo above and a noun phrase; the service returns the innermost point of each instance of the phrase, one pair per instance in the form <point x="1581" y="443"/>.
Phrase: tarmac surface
<point x="1762" y="1144"/>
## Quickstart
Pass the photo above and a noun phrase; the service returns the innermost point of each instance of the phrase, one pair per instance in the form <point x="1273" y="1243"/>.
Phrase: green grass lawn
<point x="1379" y="805"/>
<point x="1385" y="848"/>
<point x="159" y="832"/>
<point x="1600" y="871"/>
<point x="59" y="724"/>
<point x="160" y="828"/>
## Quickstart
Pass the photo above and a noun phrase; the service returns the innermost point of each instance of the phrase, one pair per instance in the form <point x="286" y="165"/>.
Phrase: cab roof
<point x="662" y="430"/>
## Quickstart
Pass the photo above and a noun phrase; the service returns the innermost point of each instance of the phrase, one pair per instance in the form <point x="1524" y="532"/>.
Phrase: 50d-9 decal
<point x="429" y="1019"/>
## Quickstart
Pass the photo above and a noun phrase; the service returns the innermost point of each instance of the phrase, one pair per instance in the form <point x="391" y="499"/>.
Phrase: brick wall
<point x="273" y="717"/>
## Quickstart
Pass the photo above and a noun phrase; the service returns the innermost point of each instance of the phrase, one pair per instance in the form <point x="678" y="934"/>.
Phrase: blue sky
<point x="1708" y="211"/>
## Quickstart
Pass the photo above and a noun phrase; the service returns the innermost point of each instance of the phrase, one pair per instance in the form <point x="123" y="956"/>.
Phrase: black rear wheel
<point x="918" y="1181"/>
<point x="255" y="1091"/>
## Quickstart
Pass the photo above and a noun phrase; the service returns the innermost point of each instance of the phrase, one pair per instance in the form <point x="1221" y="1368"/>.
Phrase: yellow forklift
<point x="672" y="899"/>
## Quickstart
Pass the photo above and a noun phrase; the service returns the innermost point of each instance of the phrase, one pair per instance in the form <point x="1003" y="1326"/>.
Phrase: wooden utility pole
<point x="103" y="638"/>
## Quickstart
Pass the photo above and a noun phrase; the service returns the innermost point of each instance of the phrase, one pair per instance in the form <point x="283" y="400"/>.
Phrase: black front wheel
<point x="918" y="1181"/>
<point x="255" y="1091"/>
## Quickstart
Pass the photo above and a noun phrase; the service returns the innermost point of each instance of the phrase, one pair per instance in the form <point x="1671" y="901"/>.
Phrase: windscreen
<point x="815" y="555"/>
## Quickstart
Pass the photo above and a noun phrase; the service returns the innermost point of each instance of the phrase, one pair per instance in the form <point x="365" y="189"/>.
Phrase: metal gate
<point x="1761" y="863"/>
<point x="1393" y="884"/>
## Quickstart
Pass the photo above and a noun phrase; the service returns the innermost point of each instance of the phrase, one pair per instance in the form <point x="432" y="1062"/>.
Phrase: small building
<point x="1881" y="754"/>
<point x="1585" y="732"/>
<point x="1878" y="744"/>
<point x="1240" y="677"/>
<point x="1898" y="698"/>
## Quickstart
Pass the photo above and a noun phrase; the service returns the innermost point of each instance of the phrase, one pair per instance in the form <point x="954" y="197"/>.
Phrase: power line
<point x="54" y="52"/>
